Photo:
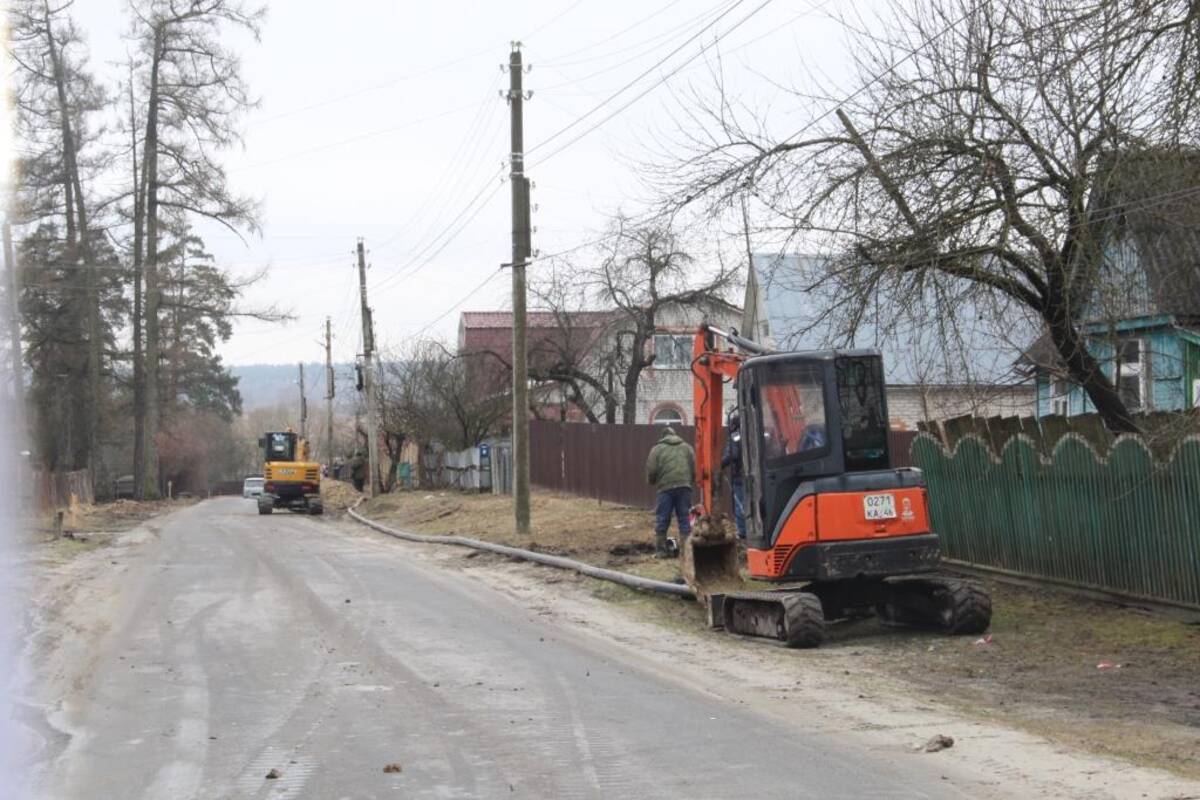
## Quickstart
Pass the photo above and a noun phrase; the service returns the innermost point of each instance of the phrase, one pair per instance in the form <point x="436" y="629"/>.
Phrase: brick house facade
<point x="664" y="389"/>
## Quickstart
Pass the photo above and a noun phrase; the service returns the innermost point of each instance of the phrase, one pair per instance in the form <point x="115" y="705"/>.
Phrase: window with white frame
<point x="672" y="351"/>
<point x="1060" y="397"/>
<point x="1132" y="374"/>
<point x="667" y="415"/>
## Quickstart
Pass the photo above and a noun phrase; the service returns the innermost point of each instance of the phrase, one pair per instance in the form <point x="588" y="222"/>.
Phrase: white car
<point x="252" y="487"/>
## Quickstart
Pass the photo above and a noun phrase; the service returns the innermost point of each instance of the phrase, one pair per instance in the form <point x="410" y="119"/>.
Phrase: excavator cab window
<point x="788" y="427"/>
<point x="792" y="404"/>
<point x="280" y="447"/>
<point x="863" y="413"/>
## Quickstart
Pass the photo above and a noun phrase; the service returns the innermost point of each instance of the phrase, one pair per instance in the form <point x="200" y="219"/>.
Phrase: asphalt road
<point x="251" y="644"/>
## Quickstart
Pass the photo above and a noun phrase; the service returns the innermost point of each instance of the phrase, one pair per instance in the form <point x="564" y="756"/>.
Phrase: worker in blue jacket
<point x="731" y="459"/>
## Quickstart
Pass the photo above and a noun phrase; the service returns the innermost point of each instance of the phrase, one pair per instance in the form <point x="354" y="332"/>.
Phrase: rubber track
<point x="972" y="608"/>
<point x="804" y="618"/>
<point x="805" y="621"/>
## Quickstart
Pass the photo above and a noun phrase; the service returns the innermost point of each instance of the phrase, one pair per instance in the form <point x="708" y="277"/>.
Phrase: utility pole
<point x="328" y="393"/>
<point x="372" y="484"/>
<point x="521" y="251"/>
<point x="14" y="330"/>
<point x="303" y="406"/>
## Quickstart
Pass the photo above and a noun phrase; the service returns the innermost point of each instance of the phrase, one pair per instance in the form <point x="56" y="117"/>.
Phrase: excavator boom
<point x="710" y="554"/>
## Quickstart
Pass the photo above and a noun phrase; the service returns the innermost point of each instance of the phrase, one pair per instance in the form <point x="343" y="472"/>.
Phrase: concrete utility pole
<point x="14" y="331"/>
<point x="328" y="393"/>
<point x="521" y="251"/>
<point x="303" y="406"/>
<point x="372" y="483"/>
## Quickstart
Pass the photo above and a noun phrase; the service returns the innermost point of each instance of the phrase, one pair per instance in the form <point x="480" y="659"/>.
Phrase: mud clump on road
<point x="393" y="768"/>
<point x="938" y="742"/>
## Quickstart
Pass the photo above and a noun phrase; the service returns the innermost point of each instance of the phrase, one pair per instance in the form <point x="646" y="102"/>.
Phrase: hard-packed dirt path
<point x="1113" y="681"/>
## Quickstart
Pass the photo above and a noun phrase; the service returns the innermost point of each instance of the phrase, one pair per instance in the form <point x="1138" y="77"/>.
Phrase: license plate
<point x="879" y="506"/>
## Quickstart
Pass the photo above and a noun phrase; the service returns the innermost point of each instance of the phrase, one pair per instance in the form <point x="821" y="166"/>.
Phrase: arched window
<point x="667" y="415"/>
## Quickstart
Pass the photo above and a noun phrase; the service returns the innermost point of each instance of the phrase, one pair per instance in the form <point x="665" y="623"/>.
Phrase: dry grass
<point x="114" y="517"/>
<point x="598" y="533"/>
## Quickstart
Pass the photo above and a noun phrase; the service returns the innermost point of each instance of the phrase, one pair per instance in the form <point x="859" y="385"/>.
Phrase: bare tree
<point x="570" y="348"/>
<point x="194" y="99"/>
<point x="644" y="272"/>
<point x="432" y="395"/>
<point x="974" y="157"/>
<point x="593" y="336"/>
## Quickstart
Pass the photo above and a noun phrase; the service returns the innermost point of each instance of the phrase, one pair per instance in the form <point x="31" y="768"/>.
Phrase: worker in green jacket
<point x="671" y="468"/>
<point x="358" y="470"/>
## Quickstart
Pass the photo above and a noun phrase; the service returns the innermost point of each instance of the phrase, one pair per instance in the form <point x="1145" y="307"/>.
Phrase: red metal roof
<point x="535" y="319"/>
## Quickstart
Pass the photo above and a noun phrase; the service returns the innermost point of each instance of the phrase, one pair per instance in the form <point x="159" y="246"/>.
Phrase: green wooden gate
<point x="1122" y="524"/>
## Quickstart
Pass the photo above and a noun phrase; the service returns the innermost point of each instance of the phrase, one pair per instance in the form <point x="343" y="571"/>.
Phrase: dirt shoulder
<point x="87" y="527"/>
<point x="1115" y="681"/>
<point x="72" y="587"/>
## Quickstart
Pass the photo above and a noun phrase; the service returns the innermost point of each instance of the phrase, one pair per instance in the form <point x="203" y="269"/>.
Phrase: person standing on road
<point x="671" y="468"/>
<point x="731" y="459"/>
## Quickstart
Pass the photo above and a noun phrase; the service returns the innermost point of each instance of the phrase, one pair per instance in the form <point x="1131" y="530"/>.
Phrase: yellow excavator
<point x="291" y="480"/>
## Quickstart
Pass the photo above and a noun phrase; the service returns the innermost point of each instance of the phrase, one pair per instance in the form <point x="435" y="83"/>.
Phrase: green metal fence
<point x="1123" y="523"/>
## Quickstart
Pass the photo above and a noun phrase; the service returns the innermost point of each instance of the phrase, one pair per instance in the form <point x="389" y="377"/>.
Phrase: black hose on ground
<point x="623" y="578"/>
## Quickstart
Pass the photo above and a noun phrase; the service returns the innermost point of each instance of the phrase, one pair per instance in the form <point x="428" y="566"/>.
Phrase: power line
<point x="405" y="77"/>
<point x="458" y="303"/>
<point x="478" y="202"/>
<point x="554" y="62"/>
<point x="577" y="121"/>
<point x="422" y="257"/>
<point x="644" y="50"/>
<point x="553" y="20"/>
<point x="457" y="170"/>
<point x="368" y="89"/>
<point x="353" y="139"/>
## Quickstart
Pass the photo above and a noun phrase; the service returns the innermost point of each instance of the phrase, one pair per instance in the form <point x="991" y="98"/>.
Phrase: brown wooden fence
<point x="608" y="462"/>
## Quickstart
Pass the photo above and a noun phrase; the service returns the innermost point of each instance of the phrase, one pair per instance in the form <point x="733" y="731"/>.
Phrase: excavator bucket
<point x="710" y="559"/>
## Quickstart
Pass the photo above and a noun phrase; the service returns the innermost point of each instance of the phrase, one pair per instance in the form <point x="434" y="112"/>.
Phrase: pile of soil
<point x="337" y="496"/>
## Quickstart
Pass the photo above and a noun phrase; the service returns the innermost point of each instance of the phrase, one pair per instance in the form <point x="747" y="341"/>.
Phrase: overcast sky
<point x="383" y="120"/>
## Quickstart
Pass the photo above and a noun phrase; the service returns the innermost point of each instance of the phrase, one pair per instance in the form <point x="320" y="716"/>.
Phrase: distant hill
<point x="266" y="385"/>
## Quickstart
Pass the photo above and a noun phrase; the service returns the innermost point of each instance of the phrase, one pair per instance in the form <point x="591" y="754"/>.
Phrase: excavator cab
<point x="815" y="445"/>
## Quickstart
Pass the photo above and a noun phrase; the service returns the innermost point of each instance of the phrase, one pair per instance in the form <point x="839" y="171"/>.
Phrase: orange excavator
<point x="827" y="516"/>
